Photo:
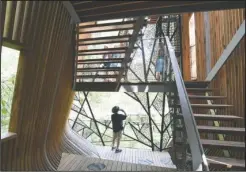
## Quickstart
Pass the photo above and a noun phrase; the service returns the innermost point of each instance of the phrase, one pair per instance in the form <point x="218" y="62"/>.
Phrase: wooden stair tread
<point x="101" y="53"/>
<point x="109" y="24"/>
<point x="95" y="61"/>
<point x="214" y="117"/>
<point x="96" y="86"/>
<point x="201" y="89"/>
<point x="205" y="97"/>
<point x="228" y="144"/>
<point x="108" y="41"/>
<point x="207" y="105"/>
<point x="230" y="161"/>
<point x="221" y="129"/>
<point x="109" y="29"/>
<point x="202" y="97"/>
<point x="103" y="49"/>
<point x="196" y="84"/>
<point x="97" y="76"/>
<point x="107" y="38"/>
<point x="99" y="69"/>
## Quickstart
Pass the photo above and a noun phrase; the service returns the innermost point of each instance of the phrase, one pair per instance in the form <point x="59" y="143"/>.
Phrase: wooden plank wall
<point x="230" y="80"/>
<point x="43" y="92"/>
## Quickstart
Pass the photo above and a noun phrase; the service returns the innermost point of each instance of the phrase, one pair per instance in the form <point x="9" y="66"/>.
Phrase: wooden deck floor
<point x="71" y="162"/>
<point x="137" y="156"/>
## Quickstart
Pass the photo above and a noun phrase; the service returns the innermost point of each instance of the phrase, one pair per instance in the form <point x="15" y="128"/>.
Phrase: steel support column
<point x="143" y="57"/>
<point x="151" y="57"/>
<point x="150" y="122"/>
<point x="94" y="120"/>
<point x="162" y="120"/>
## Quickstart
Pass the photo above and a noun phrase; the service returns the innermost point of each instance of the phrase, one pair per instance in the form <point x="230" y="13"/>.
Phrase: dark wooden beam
<point x="96" y="86"/>
<point x="14" y="44"/>
<point x="159" y="8"/>
<point x="99" y="5"/>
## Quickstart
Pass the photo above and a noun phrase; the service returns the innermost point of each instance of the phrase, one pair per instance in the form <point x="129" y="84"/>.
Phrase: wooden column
<point x="185" y="47"/>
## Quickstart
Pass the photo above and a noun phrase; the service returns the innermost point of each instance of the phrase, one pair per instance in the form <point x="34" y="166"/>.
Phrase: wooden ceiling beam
<point x="161" y="8"/>
<point x="98" y="5"/>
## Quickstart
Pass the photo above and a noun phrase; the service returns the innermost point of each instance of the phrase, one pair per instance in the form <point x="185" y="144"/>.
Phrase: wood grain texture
<point x="43" y="92"/>
<point x="186" y="47"/>
<point x="230" y="80"/>
<point x="72" y="162"/>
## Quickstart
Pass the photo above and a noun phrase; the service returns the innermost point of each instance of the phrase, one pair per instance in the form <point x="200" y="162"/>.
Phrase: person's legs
<point x="158" y="76"/>
<point x="119" y="134"/>
<point x="114" y="138"/>
<point x="159" y="69"/>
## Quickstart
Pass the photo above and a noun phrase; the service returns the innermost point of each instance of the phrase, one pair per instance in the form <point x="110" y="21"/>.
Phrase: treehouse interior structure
<point x="192" y="116"/>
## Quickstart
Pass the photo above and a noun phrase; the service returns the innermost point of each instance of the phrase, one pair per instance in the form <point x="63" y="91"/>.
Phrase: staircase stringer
<point x="137" y="28"/>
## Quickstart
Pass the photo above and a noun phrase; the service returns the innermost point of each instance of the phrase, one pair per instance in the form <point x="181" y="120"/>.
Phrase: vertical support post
<point x="143" y="57"/>
<point x="168" y="26"/>
<point x="79" y="111"/>
<point x="180" y="43"/>
<point x="174" y="125"/>
<point x="162" y="120"/>
<point x="74" y="44"/>
<point x="207" y="42"/>
<point x="94" y="120"/>
<point x="150" y="123"/>
<point x="76" y="54"/>
<point x="151" y="57"/>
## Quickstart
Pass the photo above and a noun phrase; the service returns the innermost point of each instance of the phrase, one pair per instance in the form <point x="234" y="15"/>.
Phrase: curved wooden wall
<point x="43" y="93"/>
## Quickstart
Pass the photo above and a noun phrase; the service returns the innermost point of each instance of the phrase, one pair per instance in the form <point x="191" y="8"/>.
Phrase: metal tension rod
<point x="227" y="52"/>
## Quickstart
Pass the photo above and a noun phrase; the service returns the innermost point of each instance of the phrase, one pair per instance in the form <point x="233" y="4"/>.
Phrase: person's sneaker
<point x="118" y="150"/>
<point x="113" y="148"/>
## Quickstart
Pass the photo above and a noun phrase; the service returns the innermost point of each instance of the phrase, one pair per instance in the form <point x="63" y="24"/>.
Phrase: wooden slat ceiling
<point x="104" y="10"/>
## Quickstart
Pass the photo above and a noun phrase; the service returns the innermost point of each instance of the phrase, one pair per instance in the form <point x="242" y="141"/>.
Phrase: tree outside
<point x="9" y="63"/>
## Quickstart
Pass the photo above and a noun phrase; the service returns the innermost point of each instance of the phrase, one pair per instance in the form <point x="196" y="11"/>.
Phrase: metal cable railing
<point x="198" y="156"/>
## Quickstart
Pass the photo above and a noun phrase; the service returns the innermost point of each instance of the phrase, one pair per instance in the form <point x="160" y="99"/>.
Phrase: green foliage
<point x="7" y="90"/>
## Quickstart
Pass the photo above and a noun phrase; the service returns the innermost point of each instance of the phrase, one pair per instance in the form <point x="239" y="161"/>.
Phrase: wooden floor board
<point x="127" y="160"/>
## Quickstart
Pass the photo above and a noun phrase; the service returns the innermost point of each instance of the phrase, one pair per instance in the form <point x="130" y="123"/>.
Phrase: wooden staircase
<point x="196" y="93"/>
<point x="90" y="65"/>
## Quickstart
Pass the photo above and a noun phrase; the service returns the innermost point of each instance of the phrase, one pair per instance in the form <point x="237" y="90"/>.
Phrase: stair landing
<point x="71" y="162"/>
<point x="137" y="156"/>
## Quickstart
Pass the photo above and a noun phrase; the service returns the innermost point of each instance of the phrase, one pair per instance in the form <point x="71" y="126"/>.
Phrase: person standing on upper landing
<point x="160" y="62"/>
<point x="117" y="121"/>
